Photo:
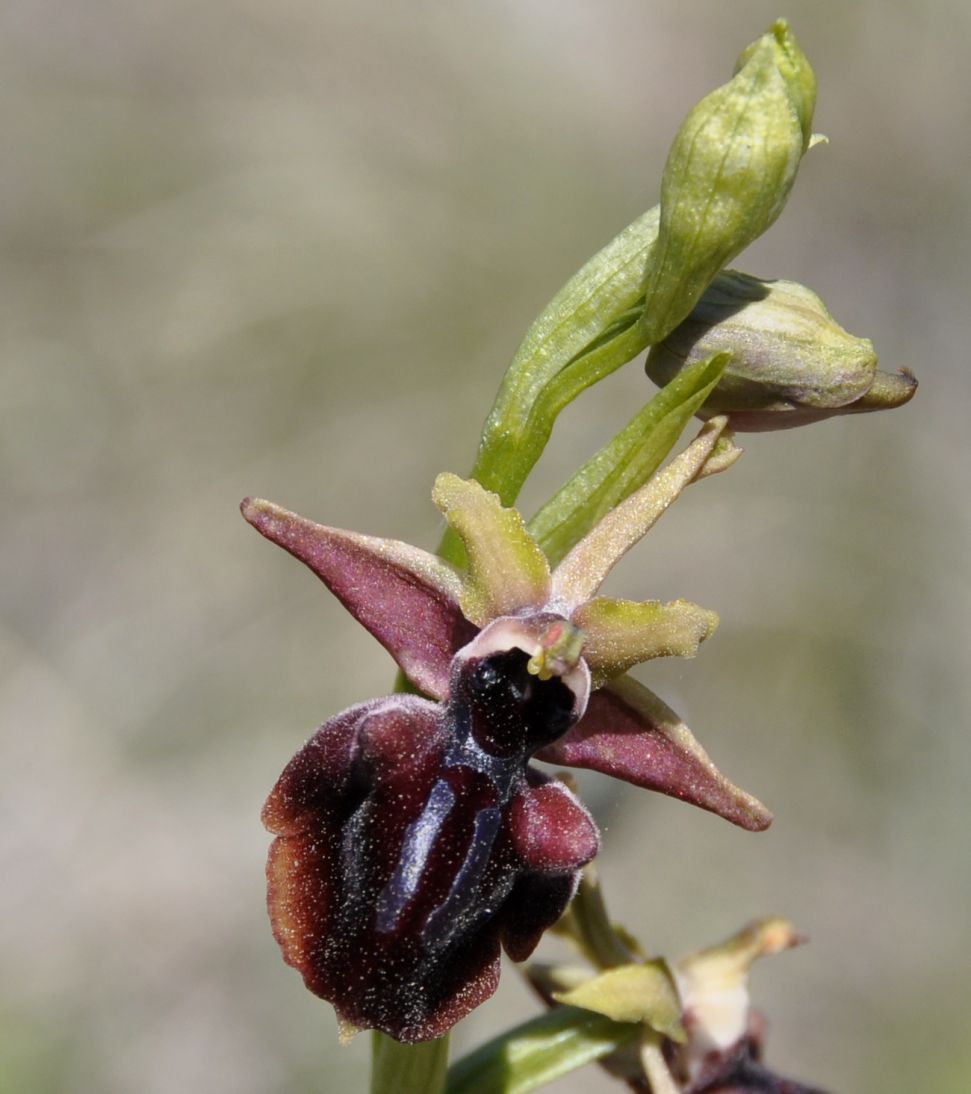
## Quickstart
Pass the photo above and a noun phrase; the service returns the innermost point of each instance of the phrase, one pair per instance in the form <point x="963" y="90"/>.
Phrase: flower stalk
<point x="408" y="1069"/>
<point x="414" y="839"/>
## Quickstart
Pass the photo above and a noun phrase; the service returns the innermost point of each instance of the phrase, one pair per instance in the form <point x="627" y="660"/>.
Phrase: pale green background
<point x="287" y="249"/>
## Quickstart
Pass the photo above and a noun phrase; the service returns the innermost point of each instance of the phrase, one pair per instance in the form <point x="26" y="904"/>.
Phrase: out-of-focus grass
<point x="288" y="251"/>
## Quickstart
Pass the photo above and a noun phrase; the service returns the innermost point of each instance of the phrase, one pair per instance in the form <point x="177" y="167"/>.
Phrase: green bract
<point x="642" y="993"/>
<point x="626" y="462"/>
<point x="539" y="1051"/>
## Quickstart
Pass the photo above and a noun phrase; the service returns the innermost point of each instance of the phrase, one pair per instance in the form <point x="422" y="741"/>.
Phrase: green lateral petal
<point x="622" y="633"/>
<point x="583" y="570"/>
<point x="632" y="993"/>
<point x="507" y="570"/>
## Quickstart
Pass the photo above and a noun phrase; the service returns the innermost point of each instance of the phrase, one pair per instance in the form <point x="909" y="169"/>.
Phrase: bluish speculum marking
<point x="499" y="715"/>
<point x="469" y="900"/>
<point x="419" y="840"/>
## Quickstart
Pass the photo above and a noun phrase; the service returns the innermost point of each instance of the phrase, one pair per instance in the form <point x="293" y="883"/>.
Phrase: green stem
<point x="594" y="932"/>
<point x="408" y="1069"/>
<point x="654" y="1064"/>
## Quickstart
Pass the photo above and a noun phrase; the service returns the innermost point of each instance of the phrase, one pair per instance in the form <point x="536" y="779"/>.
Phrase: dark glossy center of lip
<point x="512" y="712"/>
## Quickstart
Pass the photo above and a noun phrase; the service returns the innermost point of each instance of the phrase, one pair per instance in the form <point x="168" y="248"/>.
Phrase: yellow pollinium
<point x="559" y="650"/>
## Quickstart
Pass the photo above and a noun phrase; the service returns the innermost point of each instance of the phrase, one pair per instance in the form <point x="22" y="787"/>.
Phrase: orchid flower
<point x="698" y="1032"/>
<point x="724" y="1045"/>
<point x="413" y="837"/>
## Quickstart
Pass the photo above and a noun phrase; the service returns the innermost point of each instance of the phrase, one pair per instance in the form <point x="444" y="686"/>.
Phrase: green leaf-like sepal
<point x="507" y="571"/>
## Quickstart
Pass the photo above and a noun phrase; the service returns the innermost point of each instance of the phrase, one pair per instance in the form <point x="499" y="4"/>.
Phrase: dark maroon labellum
<point x="414" y="839"/>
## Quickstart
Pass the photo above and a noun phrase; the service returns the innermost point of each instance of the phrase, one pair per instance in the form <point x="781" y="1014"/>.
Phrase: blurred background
<point x="288" y="250"/>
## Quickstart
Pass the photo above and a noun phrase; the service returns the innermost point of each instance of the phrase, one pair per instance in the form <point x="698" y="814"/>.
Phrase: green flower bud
<point x="728" y="174"/>
<point x="796" y="71"/>
<point x="791" y="362"/>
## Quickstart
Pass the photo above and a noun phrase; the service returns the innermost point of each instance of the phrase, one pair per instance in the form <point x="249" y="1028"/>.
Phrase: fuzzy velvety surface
<point x="413" y="840"/>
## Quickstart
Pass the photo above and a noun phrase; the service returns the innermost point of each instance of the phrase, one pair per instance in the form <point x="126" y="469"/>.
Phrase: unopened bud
<point x="792" y="363"/>
<point x="728" y="174"/>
